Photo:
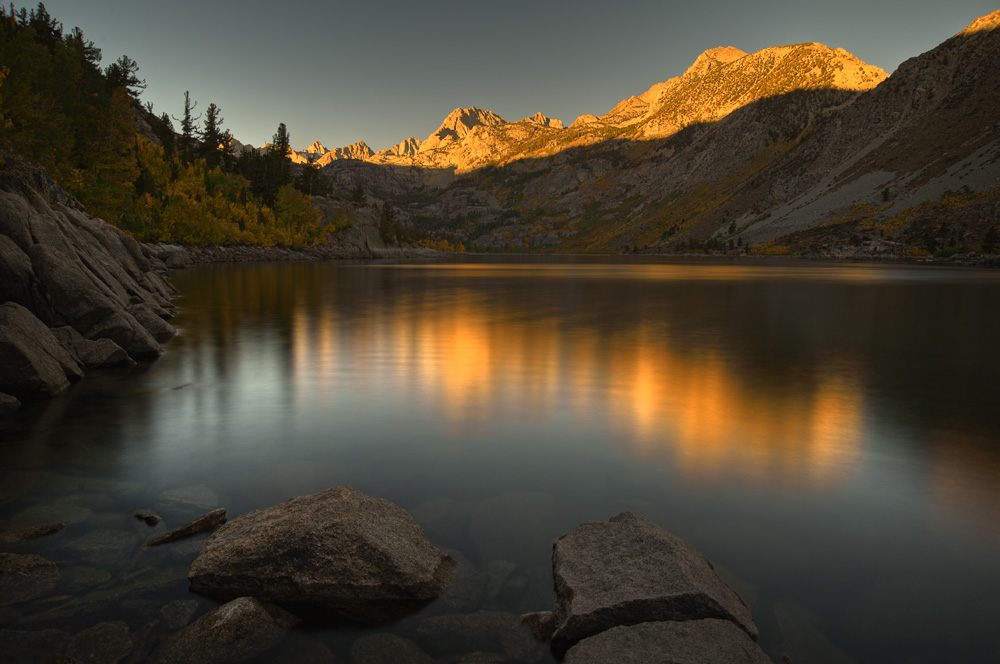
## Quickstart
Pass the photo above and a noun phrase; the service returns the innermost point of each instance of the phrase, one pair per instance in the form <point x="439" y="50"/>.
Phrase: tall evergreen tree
<point x="187" y="142"/>
<point x="281" y="142"/>
<point x="215" y="142"/>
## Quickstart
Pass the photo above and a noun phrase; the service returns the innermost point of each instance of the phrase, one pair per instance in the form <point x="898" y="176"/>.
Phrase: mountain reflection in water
<point x="826" y="434"/>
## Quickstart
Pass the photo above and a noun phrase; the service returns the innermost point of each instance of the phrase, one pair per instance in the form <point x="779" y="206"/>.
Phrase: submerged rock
<point x="179" y="613"/>
<point x="361" y="558"/>
<point x="33" y="533"/>
<point x="387" y="649"/>
<point x="8" y="404"/>
<point x="25" y="576"/>
<point x="104" y="643"/>
<point x="104" y="547"/>
<point x="201" y="525"/>
<point x="482" y="631"/>
<point x="628" y="571"/>
<point x="18" y="645"/>
<point x="709" y="641"/>
<point x="234" y="632"/>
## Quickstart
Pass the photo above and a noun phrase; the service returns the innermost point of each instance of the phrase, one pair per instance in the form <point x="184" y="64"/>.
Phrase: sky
<point x="384" y="70"/>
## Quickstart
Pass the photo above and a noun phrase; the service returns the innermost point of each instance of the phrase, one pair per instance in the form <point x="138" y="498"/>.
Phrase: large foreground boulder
<point x="708" y="641"/>
<point x="628" y="571"/>
<point x="361" y="558"/>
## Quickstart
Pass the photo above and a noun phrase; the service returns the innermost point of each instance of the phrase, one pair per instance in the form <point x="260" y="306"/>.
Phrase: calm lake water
<point x="829" y="435"/>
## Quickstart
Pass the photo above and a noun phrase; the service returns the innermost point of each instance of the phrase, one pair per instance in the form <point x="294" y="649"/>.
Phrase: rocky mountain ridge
<point x="800" y="148"/>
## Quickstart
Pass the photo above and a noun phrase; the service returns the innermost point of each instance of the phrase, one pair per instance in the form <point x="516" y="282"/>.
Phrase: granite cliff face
<point x="78" y="293"/>
<point x="757" y="149"/>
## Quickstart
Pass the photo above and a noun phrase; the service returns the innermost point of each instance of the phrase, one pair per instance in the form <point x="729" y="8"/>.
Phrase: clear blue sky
<point x="381" y="71"/>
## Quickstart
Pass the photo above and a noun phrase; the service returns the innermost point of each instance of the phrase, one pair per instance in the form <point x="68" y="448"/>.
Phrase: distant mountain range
<point x="792" y="149"/>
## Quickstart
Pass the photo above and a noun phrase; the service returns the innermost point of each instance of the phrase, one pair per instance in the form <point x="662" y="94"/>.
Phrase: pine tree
<point x="281" y="142"/>
<point x="187" y="142"/>
<point x="122" y="73"/>
<point x="215" y="143"/>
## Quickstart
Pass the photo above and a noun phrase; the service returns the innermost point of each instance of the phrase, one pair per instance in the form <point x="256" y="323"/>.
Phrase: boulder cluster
<point x="625" y="591"/>
<point x="75" y="292"/>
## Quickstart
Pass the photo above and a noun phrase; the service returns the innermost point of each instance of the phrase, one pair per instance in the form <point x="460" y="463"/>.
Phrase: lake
<point x="827" y="434"/>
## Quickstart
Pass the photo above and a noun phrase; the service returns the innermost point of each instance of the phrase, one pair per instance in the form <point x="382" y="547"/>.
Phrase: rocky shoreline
<point x="625" y="591"/>
<point x="175" y="256"/>
<point x="77" y="293"/>
<point x="80" y="294"/>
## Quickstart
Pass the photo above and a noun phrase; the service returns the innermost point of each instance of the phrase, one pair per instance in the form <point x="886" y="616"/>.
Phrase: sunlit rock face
<point x="357" y="151"/>
<point x="457" y="125"/>
<point x="405" y="148"/>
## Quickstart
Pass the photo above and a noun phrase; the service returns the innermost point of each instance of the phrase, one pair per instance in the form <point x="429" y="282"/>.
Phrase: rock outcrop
<point x="629" y="571"/>
<point x="360" y="558"/>
<point x="77" y="292"/>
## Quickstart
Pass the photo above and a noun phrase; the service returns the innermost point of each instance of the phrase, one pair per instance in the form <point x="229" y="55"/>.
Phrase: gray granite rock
<point x="32" y="361"/>
<point x="82" y="300"/>
<point x="541" y="624"/>
<point x="361" y="558"/>
<point x="708" y="641"/>
<point x="628" y="571"/>
<point x="25" y="576"/>
<point x="385" y="648"/>
<point x="16" y="277"/>
<point x="91" y="353"/>
<point x="104" y="643"/>
<point x="234" y="632"/>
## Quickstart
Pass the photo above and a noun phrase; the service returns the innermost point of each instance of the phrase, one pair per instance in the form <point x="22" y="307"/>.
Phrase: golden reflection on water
<point x="965" y="479"/>
<point x="471" y="360"/>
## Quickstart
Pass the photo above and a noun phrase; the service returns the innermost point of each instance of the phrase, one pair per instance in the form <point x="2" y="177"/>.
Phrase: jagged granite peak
<point x="405" y="148"/>
<point x="988" y="22"/>
<point x="543" y="121"/>
<point x="458" y="124"/>
<point x="316" y="148"/>
<point x="715" y="88"/>
<point x="358" y="151"/>
<point x="712" y="58"/>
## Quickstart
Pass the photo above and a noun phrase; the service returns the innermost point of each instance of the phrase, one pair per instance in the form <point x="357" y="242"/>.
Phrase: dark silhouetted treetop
<point x="122" y="73"/>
